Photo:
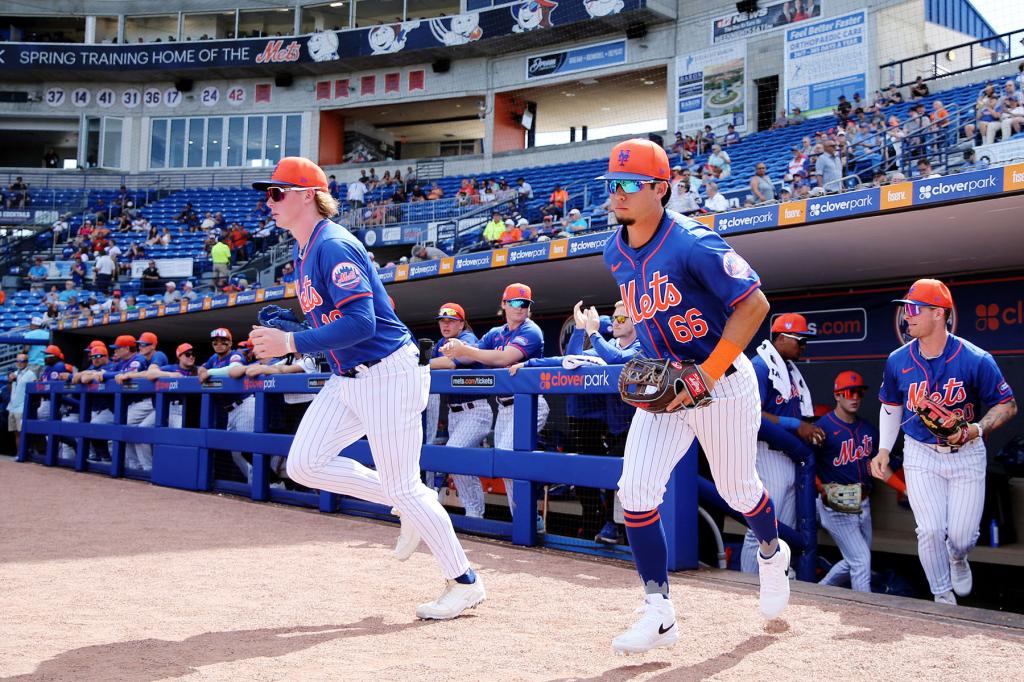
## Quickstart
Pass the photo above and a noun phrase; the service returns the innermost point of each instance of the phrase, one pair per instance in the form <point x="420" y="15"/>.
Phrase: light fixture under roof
<point x="648" y="81"/>
<point x="337" y="4"/>
<point x="588" y="81"/>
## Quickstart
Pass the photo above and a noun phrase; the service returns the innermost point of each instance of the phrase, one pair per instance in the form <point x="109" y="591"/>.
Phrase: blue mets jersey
<point x="680" y="287"/>
<point x="961" y="377"/>
<point x="772" y="401"/>
<point x="231" y="357"/>
<point x="844" y="455"/>
<point x="178" y="369"/>
<point x="344" y="301"/>
<point x="135" y="363"/>
<point x="159" y="358"/>
<point x="528" y="338"/>
<point x="53" y="372"/>
<point x="469" y="338"/>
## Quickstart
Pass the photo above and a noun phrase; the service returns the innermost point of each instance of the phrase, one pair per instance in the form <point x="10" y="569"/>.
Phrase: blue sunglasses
<point x="519" y="303"/>
<point x="628" y="186"/>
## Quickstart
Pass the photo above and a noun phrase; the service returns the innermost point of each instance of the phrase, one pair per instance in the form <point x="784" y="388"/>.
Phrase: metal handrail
<point x="997" y="57"/>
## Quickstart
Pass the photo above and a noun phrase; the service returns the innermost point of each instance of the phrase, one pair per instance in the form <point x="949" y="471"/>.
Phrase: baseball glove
<point x="941" y="421"/>
<point x="841" y="497"/>
<point x="276" y="317"/>
<point x="652" y="384"/>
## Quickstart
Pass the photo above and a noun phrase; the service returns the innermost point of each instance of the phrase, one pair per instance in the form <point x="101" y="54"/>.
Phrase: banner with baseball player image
<point x="711" y="88"/>
<point x="736" y="25"/>
<point x="824" y="60"/>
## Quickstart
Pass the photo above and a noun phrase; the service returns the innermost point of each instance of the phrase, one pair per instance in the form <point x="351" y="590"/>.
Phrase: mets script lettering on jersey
<point x="309" y="297"/>
<point x="850" y="452"/>
<point x="952" y="394"/>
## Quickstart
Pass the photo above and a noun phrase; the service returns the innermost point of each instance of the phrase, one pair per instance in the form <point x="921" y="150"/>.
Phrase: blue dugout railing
<point x="182" y="457"/>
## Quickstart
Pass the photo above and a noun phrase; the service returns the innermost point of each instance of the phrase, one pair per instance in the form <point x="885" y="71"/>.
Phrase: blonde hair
<point x="326" y="205"/>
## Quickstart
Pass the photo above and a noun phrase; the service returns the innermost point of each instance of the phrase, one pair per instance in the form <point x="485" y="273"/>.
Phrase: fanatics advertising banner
<point x="576" y="59"/>
<point x="767" y="18"/>
<point x="824" y="60"/>
<point x="711" y="88"/>
<point x="326" y="46"/>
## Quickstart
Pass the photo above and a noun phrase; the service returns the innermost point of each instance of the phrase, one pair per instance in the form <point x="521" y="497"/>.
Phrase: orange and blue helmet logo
<point x="624" y="157"/>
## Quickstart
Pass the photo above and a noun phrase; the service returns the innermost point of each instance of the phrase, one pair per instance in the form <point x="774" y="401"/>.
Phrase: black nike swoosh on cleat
<point x="662" y="629"/>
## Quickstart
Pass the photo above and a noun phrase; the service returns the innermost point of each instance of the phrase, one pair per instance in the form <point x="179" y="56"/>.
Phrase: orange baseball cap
<point x="245" y="344"/>
<point x="54" y="350"/>
<point x="295" y="171"/>
<point x="637" y="159"/>
<point x="147" y="337"/>
<point x="451" y="311"/>
<point x="847" y="380"/>
<point x="183" y="348"/>
<point x="98" y="349"/>
<point x="791" y="323"/>
<point x="517" y="291"/>
<point x="221" y="332"/>
<point x="929" y="292"/>
<point x="125" y="341"/>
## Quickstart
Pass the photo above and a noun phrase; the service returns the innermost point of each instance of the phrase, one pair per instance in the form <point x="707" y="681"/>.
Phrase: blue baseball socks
<point x="650" y="551"/>
<point x="765" y="526"/>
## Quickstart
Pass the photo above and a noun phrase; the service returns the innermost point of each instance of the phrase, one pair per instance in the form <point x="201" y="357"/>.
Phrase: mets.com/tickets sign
<point x="327" y="46"/>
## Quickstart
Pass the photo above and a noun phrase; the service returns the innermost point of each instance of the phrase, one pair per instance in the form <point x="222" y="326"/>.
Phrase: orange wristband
<point x="721" y="357"/>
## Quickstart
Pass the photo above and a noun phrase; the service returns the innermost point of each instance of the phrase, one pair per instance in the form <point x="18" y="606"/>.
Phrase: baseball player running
<point x="785" y="398"/>
<point x="842" y="462"/>
<point x="692" y="298"/>
<point x="938" y="373"/>
<point x="378" y="389"/>
<point x="517" y="340"/>
<point x="469" y="416"/>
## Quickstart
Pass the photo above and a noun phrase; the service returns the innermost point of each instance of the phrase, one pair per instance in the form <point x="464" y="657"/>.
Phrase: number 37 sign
<point x="132" y="98"/>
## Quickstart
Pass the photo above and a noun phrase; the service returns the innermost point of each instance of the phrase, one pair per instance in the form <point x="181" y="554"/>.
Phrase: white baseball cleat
<point x="656" y="627"/>
<point x="960" y="574"/>
<point x="408" y="539"/>
<point x="946" y="598"/>
<point x="774" y="572"/>
<point x="456" y="598"/>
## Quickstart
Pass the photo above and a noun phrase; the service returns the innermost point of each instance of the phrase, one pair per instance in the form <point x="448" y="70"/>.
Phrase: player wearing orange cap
<point x="519" y="339"/>
<point x="945" y="476"/>
<point x="185" y="367"/>
<point x="128" y="360"/>
<point x="843" y="459"/>
<point x="101" y="405"/>
<point x="785" y="403"/>
<point x="692" y="299"/>
<point x="147" y="348"/>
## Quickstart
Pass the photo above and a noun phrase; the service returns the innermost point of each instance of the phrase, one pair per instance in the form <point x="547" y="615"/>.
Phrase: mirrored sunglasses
<point x="851" y="393"/>
<point x="621" y="319"/>
<point x="97" y="357"/>
<point x="628" y="186"/>
<point x="800" y="340"/>
<point x="277" y="193"/>
<point x="187" y="354"/>
<point x="914" y="309"/>
<point x="519" y="303"/>
<point x="448" y="312"/>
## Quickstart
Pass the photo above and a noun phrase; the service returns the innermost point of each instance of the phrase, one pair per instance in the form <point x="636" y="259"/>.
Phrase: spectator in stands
<point x="261" y="211"/>
<point x="574" y="223"/>
<point x="372" y="180"/>
<point x="332" y="189"/>
<point x="494" y="228"/>
<point x="781" y="121"/>
<point x="505" y="193"/>
<point x="436" y="192"/>
<point x="187" y="216"/>
<point x="171" y="294"/>
<point x="60" y="229"/>
<point x="970" y="163"/>
<point x="37" y="331"/>
<point x="238" y="240"/>
<point x="188" y="293"/>
<point x="78" y="273"/>
<point x="731" y="137"/>
<point x="398" y="196"/>
<point x="52" y="296"/>
<point x="165" y="237"/>
<point x="524" y="192"/>
<point x="510" y="234"/>
<point x="422" y="252"/>
<point x="17" y="194"/>
<point x="919" y="89"/>
<point x="842" y="110"/>
<point x="925" y="171"/>
<point x="893" y="94"/>
<point x="679" y="144"/>
<point x="798" y="163"/>
<point x="761" y="185"/>
<point x="797" y="116"/>
<point x="683" y="200"/>
<point x="114" y="304"/>
<point x="468" y="193"/>
<point x="220" y="254"/>
<point x="417" y="194"/>
<point x="151" y="279"/>
<point x="1013" y="110"/>
<point x="556" y="202"/>
<point x="386" y="180"/>
<point x="70" y="291"/>
<point x="715" y="202"/>
<point x="988" y="115"/>
<point x="707" y="138"/>
<point x="153" y="238"/>
<point x="719" y="162"/>
<point x="51" y="314"/>
<point x="208" y="221"/>
<point x="828" y="168"/>
<point x="356" y="193"/>
<point x="51" y="159"/>
<point x="37" y="275"/>
<point x="135" y="252"/>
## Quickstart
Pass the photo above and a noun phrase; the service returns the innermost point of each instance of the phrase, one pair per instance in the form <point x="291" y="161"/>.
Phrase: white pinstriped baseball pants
<point x="947" y="494"/>
<point x="778" y="473"/>
<point x="852" y="533"/>
<point x="466" y="429"/>
<point x="726" y="429"/>
<point x="384" y="403"/>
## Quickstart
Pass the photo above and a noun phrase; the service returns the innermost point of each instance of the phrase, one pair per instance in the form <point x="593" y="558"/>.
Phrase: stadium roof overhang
<point x="649" y="14"/>
<point x="968" y="237"/>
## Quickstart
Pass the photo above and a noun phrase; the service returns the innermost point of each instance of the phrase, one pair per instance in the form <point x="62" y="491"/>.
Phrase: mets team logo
<point x="346" y="275"/>
<point x="735" y="266"/>
<point x="623" y="157"/>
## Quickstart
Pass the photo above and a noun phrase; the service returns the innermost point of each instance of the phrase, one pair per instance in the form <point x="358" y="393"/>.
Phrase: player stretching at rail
<point x="378" y="389"/>
<point x="692" y="298"/>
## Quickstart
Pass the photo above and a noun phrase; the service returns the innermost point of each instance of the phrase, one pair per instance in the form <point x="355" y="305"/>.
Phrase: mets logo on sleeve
<point x="735" y="266"/>
<point x="345" y="275"/>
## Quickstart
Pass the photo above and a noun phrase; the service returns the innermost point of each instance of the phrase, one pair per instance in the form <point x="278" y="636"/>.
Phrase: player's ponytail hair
<point x="326" y="205"/>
